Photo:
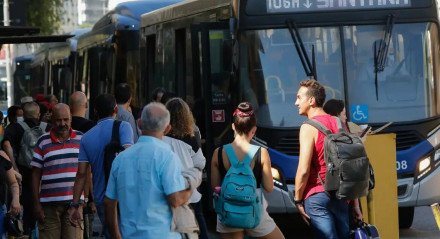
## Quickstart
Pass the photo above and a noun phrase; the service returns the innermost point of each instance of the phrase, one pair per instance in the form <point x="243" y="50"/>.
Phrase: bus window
<point x="405" y="84"/>
<point x="270" y="70"/>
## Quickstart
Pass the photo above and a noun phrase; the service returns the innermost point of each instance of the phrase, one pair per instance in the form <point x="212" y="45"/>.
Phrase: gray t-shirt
<point x="127" y="116"/>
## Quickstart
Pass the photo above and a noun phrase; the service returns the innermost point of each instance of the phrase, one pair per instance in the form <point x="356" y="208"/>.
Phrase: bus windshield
<point x="270" y="71"/>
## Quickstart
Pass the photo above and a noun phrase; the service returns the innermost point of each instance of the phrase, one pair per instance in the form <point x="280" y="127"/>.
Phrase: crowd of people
<point x="151" y="189"/>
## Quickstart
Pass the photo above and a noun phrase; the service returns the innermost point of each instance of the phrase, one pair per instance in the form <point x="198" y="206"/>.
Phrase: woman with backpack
<point x="244" y="157"/>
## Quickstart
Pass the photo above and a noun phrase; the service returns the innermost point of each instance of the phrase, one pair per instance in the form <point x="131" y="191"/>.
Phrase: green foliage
<point x="45" y="14"/>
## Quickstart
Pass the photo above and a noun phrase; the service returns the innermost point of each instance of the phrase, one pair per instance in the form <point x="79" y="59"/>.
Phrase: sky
<point x="112" y="3"/>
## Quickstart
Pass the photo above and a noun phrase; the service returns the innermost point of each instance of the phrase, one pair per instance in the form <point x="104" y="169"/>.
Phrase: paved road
<point x="424" y="226"/>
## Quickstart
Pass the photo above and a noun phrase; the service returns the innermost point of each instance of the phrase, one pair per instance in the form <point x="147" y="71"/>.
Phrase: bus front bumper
<point x="422" y="193"/>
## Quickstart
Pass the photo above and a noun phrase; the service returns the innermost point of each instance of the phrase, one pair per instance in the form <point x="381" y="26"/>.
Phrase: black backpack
<point x="112" y="149"/>
<point x="348" y="171"/>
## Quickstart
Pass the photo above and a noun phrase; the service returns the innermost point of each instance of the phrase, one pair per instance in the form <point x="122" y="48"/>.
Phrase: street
<point x="424" y="227"/>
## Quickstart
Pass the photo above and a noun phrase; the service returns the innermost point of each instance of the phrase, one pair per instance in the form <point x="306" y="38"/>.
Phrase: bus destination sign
<point x="286" y="6"/>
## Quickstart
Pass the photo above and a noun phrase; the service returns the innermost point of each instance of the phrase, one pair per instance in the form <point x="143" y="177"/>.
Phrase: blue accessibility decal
<point x="359" y="113"/>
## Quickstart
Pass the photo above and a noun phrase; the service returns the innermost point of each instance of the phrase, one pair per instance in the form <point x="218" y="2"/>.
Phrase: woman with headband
<point x="244" y="125"/>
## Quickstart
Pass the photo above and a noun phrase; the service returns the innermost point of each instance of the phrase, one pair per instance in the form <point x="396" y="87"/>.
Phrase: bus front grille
<point x="288" y="145"/>
<point x="407" y="139"/>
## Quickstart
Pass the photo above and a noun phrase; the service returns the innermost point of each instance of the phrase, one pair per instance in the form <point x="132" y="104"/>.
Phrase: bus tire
<point x="406" y="216"/>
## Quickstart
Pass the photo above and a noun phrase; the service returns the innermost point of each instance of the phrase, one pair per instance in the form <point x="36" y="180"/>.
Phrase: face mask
<point x="20" y="119"/>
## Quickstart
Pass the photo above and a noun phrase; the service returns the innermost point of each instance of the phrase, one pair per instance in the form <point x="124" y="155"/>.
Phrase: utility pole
<point x="9" y="83"/>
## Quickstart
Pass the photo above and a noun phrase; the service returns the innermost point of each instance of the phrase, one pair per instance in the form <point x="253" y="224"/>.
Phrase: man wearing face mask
<point x="54" y="167"/>
<point x="12" y="145"/>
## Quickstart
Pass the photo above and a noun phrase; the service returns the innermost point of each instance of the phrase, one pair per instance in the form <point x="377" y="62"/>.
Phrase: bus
<point x="22" y="77"/>
<point x="109" y="53"/>
<point x="53" y="67"/>
<point x="380" y="56"/>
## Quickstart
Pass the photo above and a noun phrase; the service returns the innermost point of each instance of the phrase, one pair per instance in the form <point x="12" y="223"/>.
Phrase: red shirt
<point x="314" y="184"/>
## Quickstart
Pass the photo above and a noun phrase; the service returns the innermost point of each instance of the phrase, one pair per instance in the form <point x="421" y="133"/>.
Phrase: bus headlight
<point x="276" y="174"/>
<point x="424" y="164"/>
<point x="423" y="168"/>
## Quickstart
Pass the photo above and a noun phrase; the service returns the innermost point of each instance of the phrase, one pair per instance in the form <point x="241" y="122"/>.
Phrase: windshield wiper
<point x="381" y="51"/>
<point x="309" y="66"/>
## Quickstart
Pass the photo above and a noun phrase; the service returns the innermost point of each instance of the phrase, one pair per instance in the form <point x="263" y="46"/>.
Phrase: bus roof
<point x="129" y="13"/>
<point x="179" y="10"/>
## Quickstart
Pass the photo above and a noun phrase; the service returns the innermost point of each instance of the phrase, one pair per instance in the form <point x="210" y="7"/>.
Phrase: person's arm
<point x="78" y="187"/>
<point x="37" y="163"/>
<point x="267" y="171"/>
<point x="80" y="181"/>
<point x="10" y="152"/>
<point x="111" y="217"/>
<point x="179" y="198"/>
<point x="13" y="185"/>
<point x="36" y="179"/>
<point x="173" y="182"/>
<point x="15" y="192"/>
<point x="125" y="134"/>
<point x="215" y="173"/>
<point x="307" y="135"/>
<point x="357" y="209"/>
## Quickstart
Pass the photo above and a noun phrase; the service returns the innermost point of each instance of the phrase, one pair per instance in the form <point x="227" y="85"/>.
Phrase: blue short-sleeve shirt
<point x="91" y="150"/>
<point x="141" y="178"/>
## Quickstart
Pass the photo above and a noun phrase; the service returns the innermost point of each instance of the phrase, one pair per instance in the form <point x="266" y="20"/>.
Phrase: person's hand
<point x="39" y="212"/>
<point x="92" y="207"/>
<point x="303" y="213"/>
<point x="357" y="213"/>
<point x="15" y="208"/>
<point x="75" y="216"/>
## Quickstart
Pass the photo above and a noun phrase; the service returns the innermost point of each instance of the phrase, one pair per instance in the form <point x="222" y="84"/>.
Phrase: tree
<point x="45" y="14"/>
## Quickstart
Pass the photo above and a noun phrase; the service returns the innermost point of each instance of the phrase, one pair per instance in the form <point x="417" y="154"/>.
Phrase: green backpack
<point x="239" y="205"/>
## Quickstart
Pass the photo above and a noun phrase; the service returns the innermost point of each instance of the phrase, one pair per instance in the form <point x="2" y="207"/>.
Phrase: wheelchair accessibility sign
<point x="359" y="113"/>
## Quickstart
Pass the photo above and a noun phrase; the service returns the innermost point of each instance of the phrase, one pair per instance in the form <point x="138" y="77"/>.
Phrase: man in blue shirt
<point x="91" y="153"/>
<point x="146" y="181"/>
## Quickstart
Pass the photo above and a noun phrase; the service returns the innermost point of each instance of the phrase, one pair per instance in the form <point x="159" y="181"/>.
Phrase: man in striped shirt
<point x="55" y="165"/>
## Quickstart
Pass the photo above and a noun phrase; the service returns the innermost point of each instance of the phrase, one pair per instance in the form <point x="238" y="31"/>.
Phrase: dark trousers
<point x="200" y="219"/>
<point x="26" y="199"/>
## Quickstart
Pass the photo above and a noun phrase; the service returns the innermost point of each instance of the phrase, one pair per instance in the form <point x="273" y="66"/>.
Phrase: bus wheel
<point x="406" y="216"/>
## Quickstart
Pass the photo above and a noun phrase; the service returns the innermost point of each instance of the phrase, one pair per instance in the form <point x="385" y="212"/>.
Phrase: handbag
<point x="364" y="231"/>
<point x="13" y="225"/>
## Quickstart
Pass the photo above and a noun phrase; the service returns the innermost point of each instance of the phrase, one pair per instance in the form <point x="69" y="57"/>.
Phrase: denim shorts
<point x="329" y="216"/>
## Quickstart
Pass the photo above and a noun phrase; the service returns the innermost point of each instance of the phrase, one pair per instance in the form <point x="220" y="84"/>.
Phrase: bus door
<point x="212" y="91"/>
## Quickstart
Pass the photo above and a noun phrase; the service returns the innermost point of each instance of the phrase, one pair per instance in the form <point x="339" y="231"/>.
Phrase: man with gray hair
<point x="146" y="181"/>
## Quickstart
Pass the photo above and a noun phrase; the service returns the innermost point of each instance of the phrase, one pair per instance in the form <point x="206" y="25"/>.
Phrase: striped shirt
<point x="58" y="162"/>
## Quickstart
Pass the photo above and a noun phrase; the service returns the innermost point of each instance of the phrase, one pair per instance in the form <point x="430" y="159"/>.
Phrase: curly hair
<point x="182" y="119"/>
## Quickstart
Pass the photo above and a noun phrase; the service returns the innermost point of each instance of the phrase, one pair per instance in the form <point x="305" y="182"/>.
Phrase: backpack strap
<point x="23" y="125"/>
<point x="233" y="160"/>
<point x="43" y="126"/>
<point x="339" y="124"/>
<point x="318" y="126"/>
<point x="247" y="158"/>
<point x="115" y="131"/>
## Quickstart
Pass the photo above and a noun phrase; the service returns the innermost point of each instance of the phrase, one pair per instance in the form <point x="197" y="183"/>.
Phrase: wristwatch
<point x="74" y="205"/>
<point x="296" y="202"/>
